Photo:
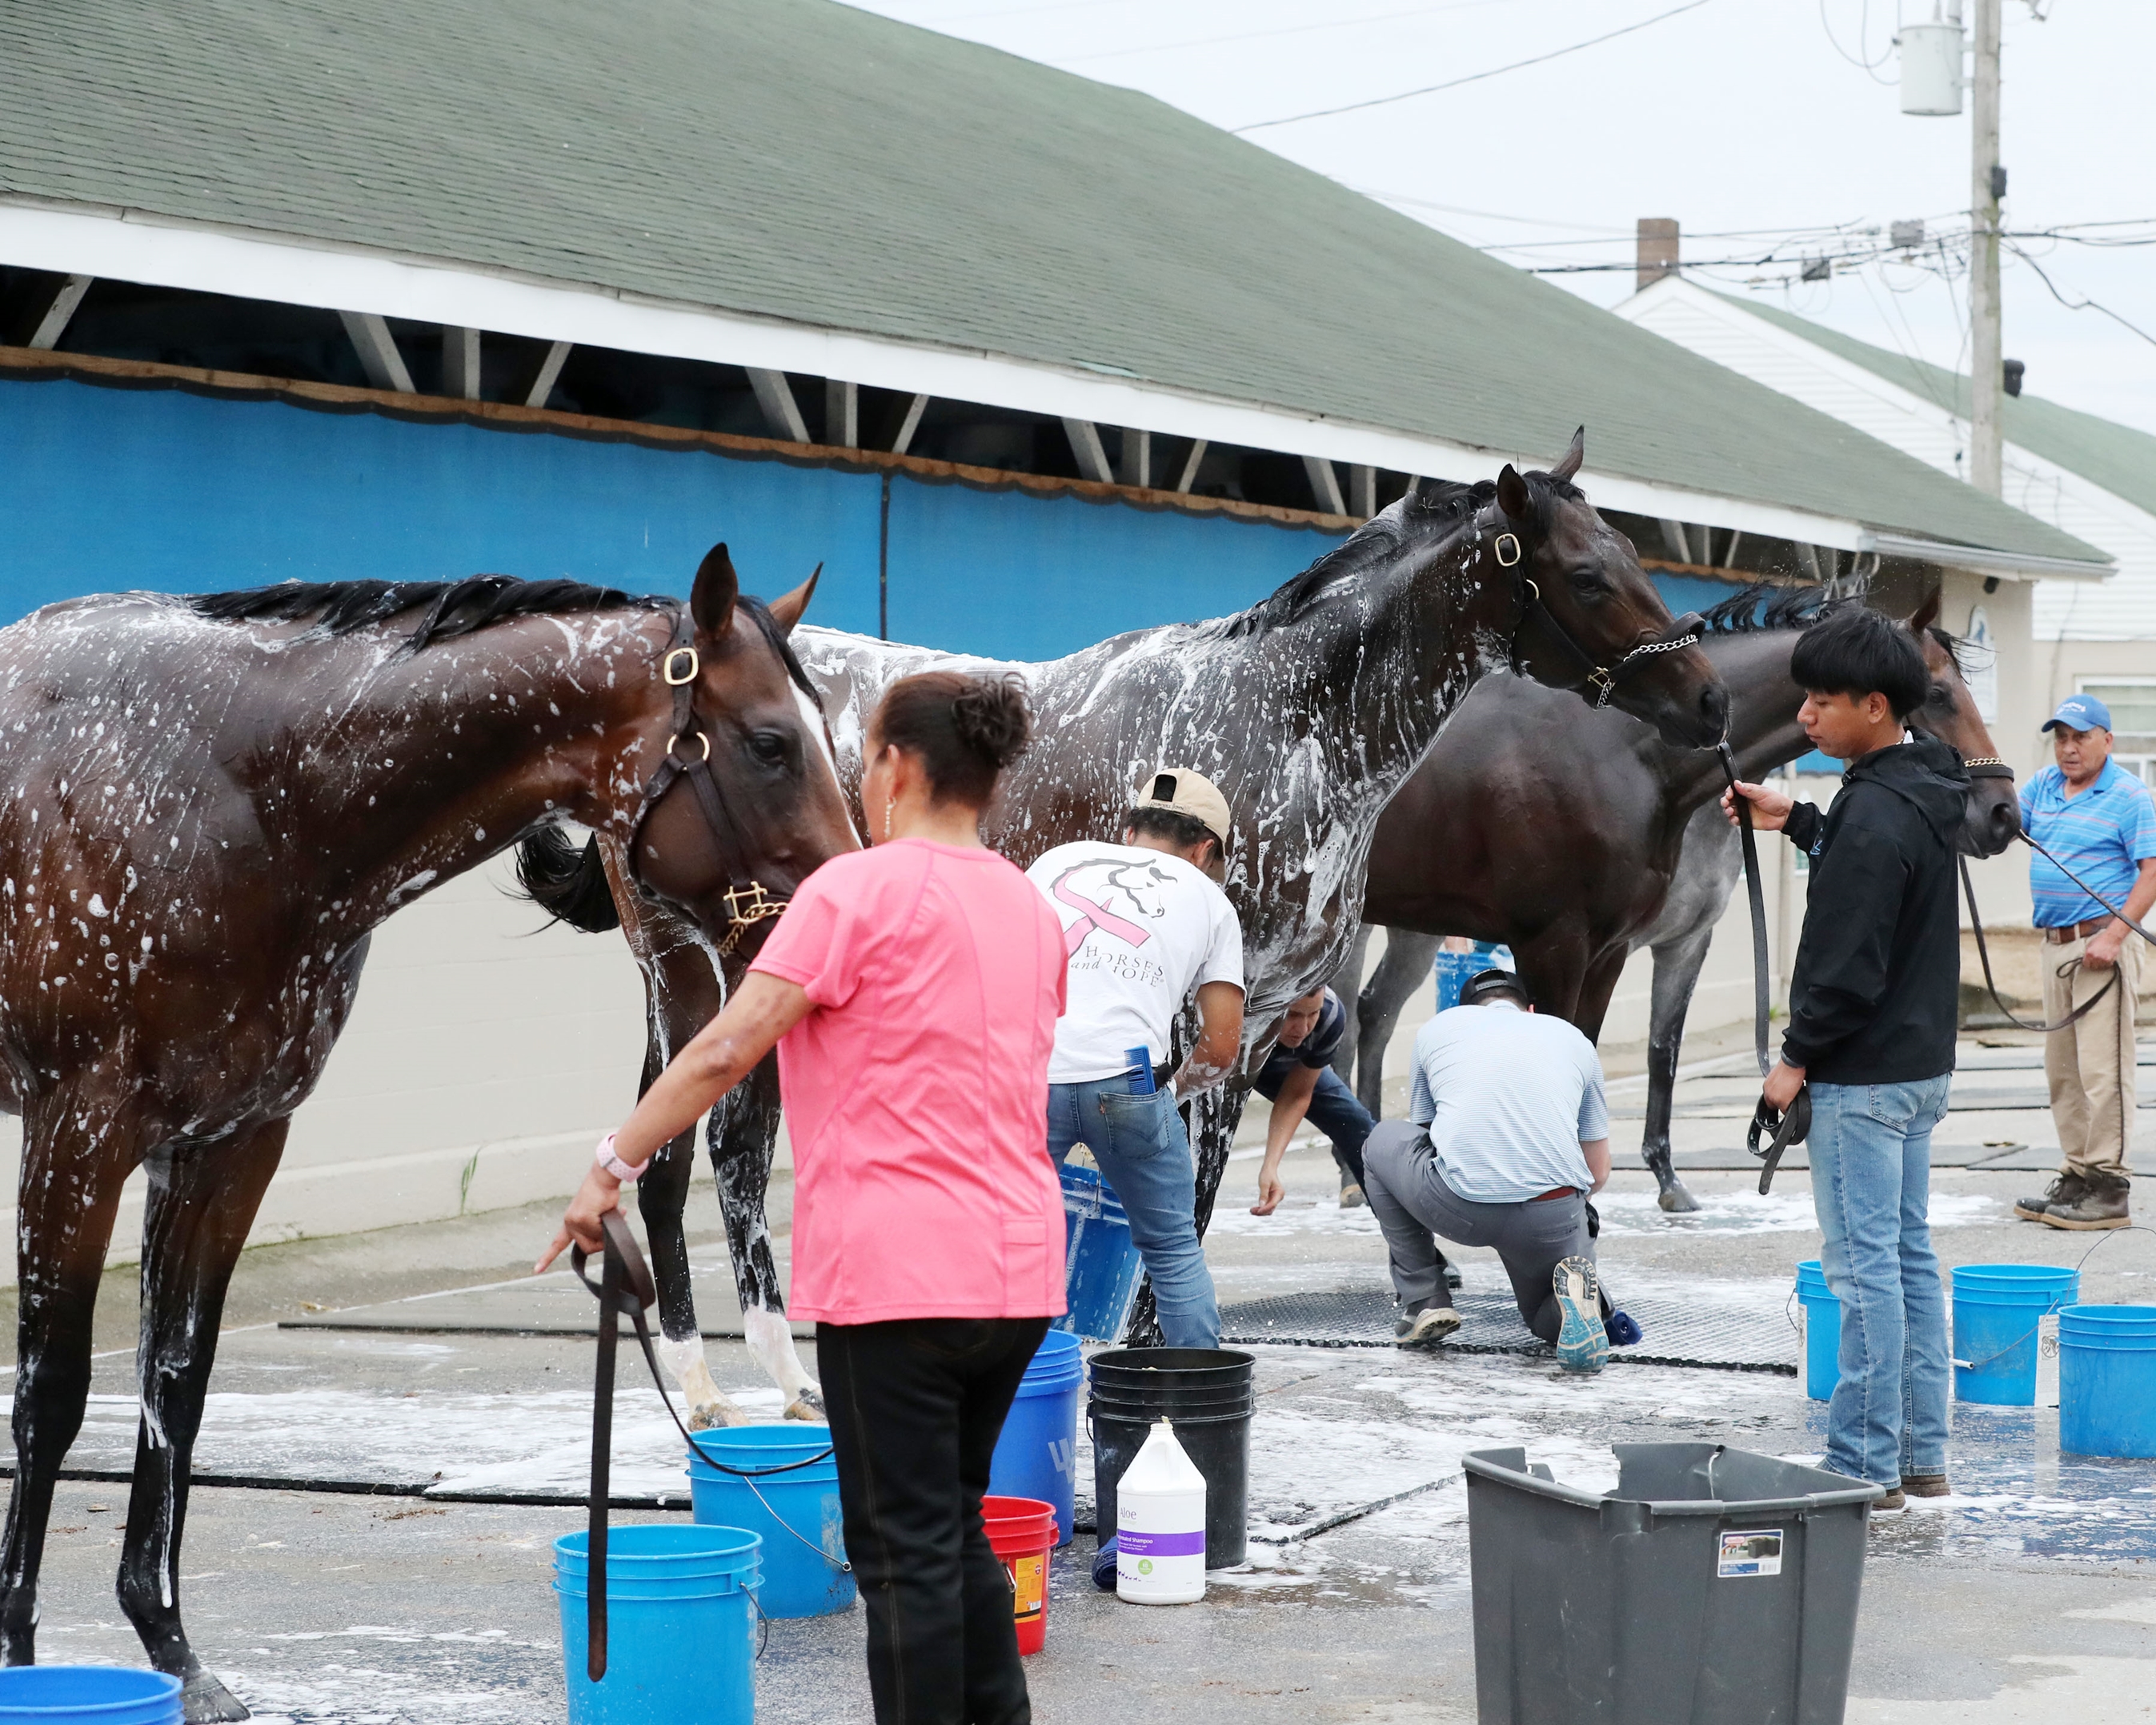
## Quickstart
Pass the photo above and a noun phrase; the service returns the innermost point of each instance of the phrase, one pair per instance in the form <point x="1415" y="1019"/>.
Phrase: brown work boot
<point x="1926" y="1485"/>
<point x="2102" y="1204"/>
<point x="1894" y="1499"/>
<point x="2068" y="1187"/>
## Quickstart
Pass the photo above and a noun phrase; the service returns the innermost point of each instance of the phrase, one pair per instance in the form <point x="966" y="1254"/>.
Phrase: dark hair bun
<point x="993" y="717"/>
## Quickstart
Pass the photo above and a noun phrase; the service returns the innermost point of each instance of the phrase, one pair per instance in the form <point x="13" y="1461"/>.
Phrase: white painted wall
<point x="482" y="1062"/>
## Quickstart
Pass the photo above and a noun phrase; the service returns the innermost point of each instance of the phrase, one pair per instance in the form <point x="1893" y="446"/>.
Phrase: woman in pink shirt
<point x="912" y="990"/>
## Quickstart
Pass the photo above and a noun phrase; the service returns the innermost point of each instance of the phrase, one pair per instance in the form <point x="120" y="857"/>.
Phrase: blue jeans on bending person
<point x="1870" y="1149"/>
<point x="1334" y="1111"/>
<point x="1144" y="1155"/>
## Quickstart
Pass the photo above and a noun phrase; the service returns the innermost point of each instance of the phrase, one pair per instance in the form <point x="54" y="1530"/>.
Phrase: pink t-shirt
<point x="916" y="1093"/>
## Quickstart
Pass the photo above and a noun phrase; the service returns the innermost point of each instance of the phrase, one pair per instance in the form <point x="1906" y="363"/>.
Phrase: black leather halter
<point x="689" y="757"/>
<point x="1602" y="675"/>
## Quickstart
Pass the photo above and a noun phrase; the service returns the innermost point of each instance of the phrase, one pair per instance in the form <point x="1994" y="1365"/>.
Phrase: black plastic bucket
<point x="1208" y="1392"/>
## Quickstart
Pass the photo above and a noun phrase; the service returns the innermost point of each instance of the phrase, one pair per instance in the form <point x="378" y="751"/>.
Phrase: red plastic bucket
<point x="1022" y="1532"/>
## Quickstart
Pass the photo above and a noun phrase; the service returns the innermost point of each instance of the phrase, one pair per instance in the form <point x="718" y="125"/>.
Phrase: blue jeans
<point x="1334" y="1111"/>
<point x="1145" y="1158"/>
<point x="1872" y="1157"/>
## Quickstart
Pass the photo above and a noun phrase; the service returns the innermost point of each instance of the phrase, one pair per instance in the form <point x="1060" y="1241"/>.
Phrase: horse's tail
<point x="570" y="885"/>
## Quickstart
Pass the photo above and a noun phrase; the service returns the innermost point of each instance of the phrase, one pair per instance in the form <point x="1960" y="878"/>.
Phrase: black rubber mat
<point x="1725" y="1338"/>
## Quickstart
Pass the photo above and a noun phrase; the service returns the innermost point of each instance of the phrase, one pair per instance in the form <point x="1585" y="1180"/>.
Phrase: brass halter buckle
<point x="666" y="669"/>
<point x="1503" y="540"/>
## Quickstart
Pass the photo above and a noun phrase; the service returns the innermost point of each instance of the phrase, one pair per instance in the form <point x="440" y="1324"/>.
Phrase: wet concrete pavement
<point x="2030" y="1595"/>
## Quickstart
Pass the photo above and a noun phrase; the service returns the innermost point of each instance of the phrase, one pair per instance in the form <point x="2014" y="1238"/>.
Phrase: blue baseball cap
<point x="2081" y="713"/>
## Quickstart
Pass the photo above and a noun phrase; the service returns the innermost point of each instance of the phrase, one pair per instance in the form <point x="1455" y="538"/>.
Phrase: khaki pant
<point x="2090" y="1063"/>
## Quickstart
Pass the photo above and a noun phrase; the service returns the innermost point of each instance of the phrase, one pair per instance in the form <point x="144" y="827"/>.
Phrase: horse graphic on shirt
<point x="1120" y="882"/>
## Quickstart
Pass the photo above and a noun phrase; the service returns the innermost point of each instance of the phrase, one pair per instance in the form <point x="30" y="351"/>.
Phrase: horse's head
<point x="1994" y="813"/>
<point x="745" y="803"/>
<point x="1589" y="619"/>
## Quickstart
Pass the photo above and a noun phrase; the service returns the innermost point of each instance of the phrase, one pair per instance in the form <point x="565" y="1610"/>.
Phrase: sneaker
<point x="1453" y="1278"/>
<point x="1583" y="1345"/>
<point x="1926" y="1485"/>
<point x="2102" y="1204"/>
<point x="1104" y="1565"/>
<point x="2067" y="1189"/>
<point x="1625" y="1331"/>
<point x="1429" y="1327"/>
<point x="1351" y="1197"/>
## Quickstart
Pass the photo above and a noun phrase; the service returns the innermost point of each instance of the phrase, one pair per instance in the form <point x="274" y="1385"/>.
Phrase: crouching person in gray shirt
<point x="1507" y="1133"/>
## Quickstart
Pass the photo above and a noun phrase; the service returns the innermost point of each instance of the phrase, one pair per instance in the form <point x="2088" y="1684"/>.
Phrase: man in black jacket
<point x="1872" y="1003"/>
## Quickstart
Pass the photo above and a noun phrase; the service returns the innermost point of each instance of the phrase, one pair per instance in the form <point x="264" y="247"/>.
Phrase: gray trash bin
<point x="1712" y="1587"/>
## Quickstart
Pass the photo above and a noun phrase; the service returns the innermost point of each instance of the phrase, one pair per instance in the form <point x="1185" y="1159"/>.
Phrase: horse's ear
<point x="1574" y="456"/>
<point x="1925" y="614"/>
<point x="711" y="600"/>
<point x="787" y="610"/>
<point x="1513" y="497"/>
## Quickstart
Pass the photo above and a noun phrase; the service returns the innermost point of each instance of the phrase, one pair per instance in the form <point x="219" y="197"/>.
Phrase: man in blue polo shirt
<point x="2097" y="818"/>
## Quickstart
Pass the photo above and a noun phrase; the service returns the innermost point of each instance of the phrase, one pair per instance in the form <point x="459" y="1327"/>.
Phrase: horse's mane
<point x="455" y="608"/>
<point x="1433" y="506"/>
<point x="1767" y="607"/>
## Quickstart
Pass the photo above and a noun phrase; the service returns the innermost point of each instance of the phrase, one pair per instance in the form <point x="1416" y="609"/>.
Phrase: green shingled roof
<point x="2117" y="457"/>
<point x="804" y="160"/>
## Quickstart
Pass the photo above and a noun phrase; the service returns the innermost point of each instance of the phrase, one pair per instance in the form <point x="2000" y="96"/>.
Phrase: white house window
<point x="2133" y="704"/>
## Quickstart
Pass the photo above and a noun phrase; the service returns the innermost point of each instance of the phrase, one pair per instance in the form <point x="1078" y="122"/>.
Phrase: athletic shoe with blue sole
<point x="1583" y="1345"/>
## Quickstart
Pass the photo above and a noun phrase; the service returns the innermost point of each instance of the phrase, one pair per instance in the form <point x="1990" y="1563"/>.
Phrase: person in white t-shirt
<point x="1144" y="923"/>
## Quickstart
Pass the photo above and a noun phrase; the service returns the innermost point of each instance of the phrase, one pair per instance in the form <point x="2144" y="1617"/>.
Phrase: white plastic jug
<point x="1160" y="1525"/>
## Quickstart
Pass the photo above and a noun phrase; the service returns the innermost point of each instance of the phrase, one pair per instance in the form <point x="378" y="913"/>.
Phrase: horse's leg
<point x="744" y="1137"/>
<point x="69" y="1191"/>
<point x="662" y="1196"/>
<point x="1676" y="974"/>
<point x="202" y="1200"/>
<point x="1400" y="973"/>
<point x="1346" y="984"/>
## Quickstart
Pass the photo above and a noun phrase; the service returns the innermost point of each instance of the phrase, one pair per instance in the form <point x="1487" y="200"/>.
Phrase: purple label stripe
<point x="1133" y="1543"/>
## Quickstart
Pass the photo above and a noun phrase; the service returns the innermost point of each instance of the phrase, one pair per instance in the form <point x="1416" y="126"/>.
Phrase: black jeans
<point x="916" y="1405"/>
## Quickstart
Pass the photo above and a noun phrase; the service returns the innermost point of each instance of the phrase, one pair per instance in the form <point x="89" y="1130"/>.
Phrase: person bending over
<point x="911" y="990"/>
<point x="1873" y="1000"/>
<point x="1507" y="1133"/>
<point x="1145" y="924"/>
<point x="1298" y="1079"/>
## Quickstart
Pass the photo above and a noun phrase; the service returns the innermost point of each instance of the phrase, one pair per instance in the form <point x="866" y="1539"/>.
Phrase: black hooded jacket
<point x="1874" y="996"/>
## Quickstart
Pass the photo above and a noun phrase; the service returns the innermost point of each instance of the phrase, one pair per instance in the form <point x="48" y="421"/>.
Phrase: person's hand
<point x="1782" y="1086"/>
<point x="1270" y="1192"/>
<point x="2102" y="952"/>
<point x="580" y="1223"/>
<point x="1770" y="808"/>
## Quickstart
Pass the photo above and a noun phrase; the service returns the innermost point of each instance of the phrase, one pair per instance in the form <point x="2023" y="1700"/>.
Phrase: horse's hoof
<point x="708" y="1416"/>
<point x="1675" y="1199"/>
<point x="808" y="1405"/>
<point x="203" y="1699"/>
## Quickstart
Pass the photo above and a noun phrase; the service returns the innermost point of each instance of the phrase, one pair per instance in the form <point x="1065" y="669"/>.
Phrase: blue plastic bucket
<point x="1035" y="1456"/>
<point x="1997" y="1310"/>
<point x="1100" y="1266"/>
<point x="795" y="1508"/>
<point x="92" y="1694"/>
<point x="2107" y="1380"/>
<point x="680" y="1626"/>
<point x="1822" y="1331"/>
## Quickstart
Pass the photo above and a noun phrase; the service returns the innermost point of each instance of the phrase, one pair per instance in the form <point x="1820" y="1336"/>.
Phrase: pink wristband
<point x="614" y="1165"/>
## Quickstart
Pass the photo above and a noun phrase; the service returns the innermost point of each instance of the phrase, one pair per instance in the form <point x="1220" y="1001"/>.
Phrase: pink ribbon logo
<point x="1094" y="916"/>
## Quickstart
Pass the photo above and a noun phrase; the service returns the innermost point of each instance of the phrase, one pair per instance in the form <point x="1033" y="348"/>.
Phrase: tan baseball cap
<point x="1187" y="792"/>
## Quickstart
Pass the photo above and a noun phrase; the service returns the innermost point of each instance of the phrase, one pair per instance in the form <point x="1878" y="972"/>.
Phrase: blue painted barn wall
<point x="103" y="489"/>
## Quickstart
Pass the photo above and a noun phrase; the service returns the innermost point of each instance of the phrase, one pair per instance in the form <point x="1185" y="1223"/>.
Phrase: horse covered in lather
<point x="1308" y="710"/>
<point x="1574" y="837"/>
<point x="207" y="805"/>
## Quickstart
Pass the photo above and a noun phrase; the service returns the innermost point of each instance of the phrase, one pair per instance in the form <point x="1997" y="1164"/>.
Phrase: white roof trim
<point x="129" y="246"/>
<point x="1984" y="562"/>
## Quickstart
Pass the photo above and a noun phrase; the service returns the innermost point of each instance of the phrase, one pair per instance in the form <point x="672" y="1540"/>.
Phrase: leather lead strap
<point x="1983" y="952"/>
<point x="1752" y="889"/>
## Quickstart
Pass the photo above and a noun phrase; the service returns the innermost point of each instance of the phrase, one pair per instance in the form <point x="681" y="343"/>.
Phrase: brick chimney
<point x="1658" y="250"/>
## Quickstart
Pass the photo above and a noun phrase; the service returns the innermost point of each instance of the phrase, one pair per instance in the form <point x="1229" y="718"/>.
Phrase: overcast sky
<point x="1735" y="117"/>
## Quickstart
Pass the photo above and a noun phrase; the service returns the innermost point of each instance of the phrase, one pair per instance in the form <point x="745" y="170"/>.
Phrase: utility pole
<point x="1988" y="185"/>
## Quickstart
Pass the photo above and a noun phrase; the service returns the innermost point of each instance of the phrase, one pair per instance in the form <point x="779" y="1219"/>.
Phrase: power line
<point x="1472" y="77"/>
<point x="2082" y="305"/>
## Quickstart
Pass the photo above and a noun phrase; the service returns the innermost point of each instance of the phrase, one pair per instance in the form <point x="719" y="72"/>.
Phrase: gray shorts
<point x="1413" y="1204"/>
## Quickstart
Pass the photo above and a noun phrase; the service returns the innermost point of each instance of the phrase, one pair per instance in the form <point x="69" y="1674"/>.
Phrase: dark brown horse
<point x="1308" y="710"/>
<point x="1566" y="834"/>
<point x="208" y="805"/>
